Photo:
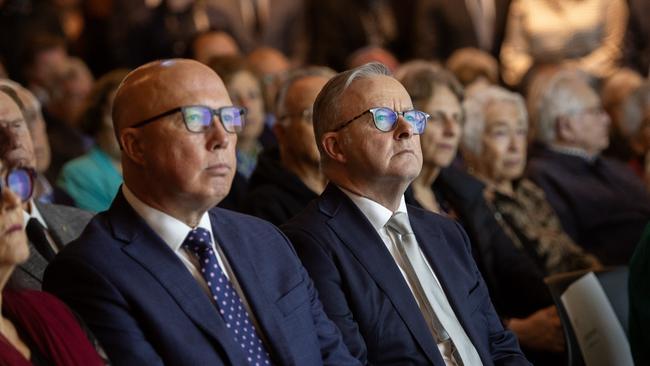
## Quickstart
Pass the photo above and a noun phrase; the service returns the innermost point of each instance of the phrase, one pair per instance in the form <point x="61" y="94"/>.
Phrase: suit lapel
<point x="433" y="243"/>
<point x="58" y="230"/>
<point x="262" y="306"/>
<point x="146" y="248"/>
<point x="360" y="237"/>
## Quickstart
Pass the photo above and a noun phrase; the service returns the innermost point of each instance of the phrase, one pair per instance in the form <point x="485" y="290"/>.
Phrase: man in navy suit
<point x="161" y="278"/>
<point x="398" y="298"/>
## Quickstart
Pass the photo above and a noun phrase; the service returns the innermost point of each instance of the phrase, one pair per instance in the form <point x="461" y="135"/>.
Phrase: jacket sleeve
<point x="103" y="309"/>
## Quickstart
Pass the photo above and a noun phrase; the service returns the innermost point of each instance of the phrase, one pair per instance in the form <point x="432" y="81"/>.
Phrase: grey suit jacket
<point x="65" y="224"/>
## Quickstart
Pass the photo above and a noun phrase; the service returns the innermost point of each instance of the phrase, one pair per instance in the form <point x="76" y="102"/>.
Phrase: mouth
<point x="13" y="228"/>
<point x="218" y="169"/>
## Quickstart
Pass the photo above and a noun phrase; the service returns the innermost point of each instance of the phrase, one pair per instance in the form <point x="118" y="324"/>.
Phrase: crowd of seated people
<point x="511" y="135"/>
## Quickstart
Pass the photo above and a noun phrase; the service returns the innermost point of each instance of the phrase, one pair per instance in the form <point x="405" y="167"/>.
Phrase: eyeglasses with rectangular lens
<point x="198" y="118"/>
<point x="385" y="119"/>
<point x="21" y="182"/>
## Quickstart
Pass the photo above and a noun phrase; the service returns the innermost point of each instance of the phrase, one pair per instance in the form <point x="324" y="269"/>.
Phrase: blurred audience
<point x="444" y="26"/>
<point x="49" y="227"/>
<point x="601" y="204"/>
<point x="614" y="93"/>
<point x="44" y="191"/>
<point x="635" y="128"/>
<point x="637" y="37"/>
<point x="94" y="178"/>
<point x="289" y="176"/>
<point x="368" y="54"/>
<point x="587" y="34"/>
<point x="474" y="68"/>
<point x="270" y="66"/>
<point x="68" y="87"/>
<point x="44" y="53"/>
<point x="639" y="297"/>
<point x="245" y="90"/>
<point x="211" y="44"/>
<point x="273" y="23"/>
<point x="37" y="328"/>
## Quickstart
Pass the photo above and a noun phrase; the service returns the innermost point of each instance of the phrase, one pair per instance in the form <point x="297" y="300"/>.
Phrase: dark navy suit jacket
<point x="365" y="294"/>
<point x="146" y="308"/>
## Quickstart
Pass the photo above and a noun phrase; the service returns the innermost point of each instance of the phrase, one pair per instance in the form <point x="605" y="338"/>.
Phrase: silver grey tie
<point x="417" y="272"/>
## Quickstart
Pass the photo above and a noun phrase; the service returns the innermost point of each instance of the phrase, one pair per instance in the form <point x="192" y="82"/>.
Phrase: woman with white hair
<point x="494" y="146"/>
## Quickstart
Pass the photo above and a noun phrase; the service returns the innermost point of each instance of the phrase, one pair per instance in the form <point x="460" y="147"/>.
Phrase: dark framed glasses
<point x="21" y="182"/>
<point x="385" y="119"/>
<point x="198" y="118"/>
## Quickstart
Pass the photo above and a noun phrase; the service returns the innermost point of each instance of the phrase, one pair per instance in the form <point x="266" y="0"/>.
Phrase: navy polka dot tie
<point x="228" y="302"/>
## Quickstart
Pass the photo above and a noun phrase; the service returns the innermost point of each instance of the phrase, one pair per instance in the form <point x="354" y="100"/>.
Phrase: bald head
<point x="160" y="86"/>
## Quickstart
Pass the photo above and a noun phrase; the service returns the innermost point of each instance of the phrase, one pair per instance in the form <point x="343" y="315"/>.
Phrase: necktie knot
<point x="399" y="223"/>
<point x="198" y="240"/>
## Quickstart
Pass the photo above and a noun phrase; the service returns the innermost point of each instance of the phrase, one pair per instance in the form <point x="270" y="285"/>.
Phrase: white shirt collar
<point x="171" y="230"/>
<point x="35" y="214"/>
<point x="377" y="214"/>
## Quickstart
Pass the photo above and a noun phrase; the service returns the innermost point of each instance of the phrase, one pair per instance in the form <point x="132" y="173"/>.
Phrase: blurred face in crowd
<point x="440" y="138"/>
<point x="297" y="136"/>
<point x="369" y="155"/>
<point x="172" y="168"/>
<point x="12" y="119"/>
<point x="37" y="129"/>
<point x="588" y="128"/>
<point x="503" y="156"/>
<point x="213" y="44"/>
<point x="244" y="90"/>
<point x="271" y="65"/>
<point x="45" y="64"/>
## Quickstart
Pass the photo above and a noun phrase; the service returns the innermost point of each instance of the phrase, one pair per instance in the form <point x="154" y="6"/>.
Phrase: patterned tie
<point x="230" y="305"/>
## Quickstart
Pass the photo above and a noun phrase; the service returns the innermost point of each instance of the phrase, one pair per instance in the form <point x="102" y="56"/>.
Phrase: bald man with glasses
<point x="162" y="277"/>
<point x="398" y="281"/>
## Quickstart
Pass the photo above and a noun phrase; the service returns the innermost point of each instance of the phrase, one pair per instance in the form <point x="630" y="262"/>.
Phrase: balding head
<point x="159" y="86"/>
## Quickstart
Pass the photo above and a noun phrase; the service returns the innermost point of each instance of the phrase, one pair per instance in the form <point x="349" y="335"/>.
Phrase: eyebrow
<point x="12" y="121"/>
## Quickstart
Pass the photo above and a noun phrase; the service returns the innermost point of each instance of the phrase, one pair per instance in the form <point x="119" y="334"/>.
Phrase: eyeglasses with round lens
<point x="21" y="182"/>
<point x="385" y="119"/>
<point x="198" y="118"/>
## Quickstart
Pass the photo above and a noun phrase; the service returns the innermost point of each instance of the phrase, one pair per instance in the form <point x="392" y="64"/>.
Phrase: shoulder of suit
<point x="63" y="211"/>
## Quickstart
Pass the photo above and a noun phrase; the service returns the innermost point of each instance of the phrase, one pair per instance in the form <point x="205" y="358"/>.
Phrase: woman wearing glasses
<point x="35" y="327"/>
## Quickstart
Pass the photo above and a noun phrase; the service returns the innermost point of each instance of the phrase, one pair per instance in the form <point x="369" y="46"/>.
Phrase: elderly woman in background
<point x="36" y="328"/>
<point x="494" y="147"/>
<point x="244" y="90"/>
<point x="585" y="33"/>
<point x="93" y="179"/>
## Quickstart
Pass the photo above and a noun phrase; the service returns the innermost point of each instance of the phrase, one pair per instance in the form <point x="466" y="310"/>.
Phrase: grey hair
<point x="475" y="106"/>
<point x="634" y="110"/>
<point x="292" y="78"/>
<point x="326" y="107"/>
<point x="558" y="98"/>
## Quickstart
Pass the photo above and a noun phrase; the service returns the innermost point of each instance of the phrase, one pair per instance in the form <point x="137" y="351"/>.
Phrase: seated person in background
<point x="636" y="130"/>
<point x="289" y="176"/>
<point x="49" y="227"/>
<point x="494" y="148"/>
<point x="93" y="179"/>
<point x="37" y="328"/>
<point x="44" y="192"/>
<point x="209" y="44"/>
<point x="614" y="94"/>
<point x="399" y="282"/>
<point x="245" y="90"/>
<point x="473" y="68"/>
<point x="586" y="34"/>
<point x="601" y="204"/>
<point x="372" y="54"/>
<point x="639" y="287"/>
<point x="162" y="278"/>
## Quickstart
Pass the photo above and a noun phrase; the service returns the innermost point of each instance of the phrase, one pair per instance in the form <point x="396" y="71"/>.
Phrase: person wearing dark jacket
<point x="288" y="177"/>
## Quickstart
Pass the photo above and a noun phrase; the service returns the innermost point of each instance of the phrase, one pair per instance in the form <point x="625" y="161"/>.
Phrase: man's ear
<point x="331" y="143"/>
<point x="131" y="144"/>
<point x="564" y="130"/>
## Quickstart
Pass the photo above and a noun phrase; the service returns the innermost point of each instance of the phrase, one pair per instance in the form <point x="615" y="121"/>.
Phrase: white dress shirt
<point x="378" y="216"/>
<point x="173" y="232"/>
